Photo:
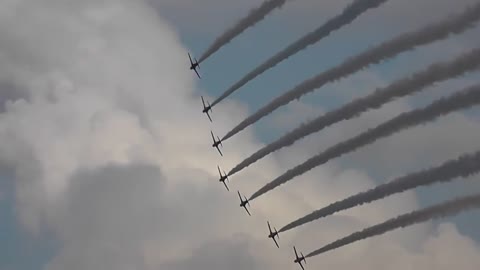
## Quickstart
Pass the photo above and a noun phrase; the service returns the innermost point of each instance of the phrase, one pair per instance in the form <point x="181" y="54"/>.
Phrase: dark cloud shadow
<point x="10" y="92"/>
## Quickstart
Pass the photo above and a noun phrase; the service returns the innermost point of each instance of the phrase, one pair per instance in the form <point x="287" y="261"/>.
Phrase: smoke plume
<point x="448" y="208"/>
<point x="406" y="86"/>
<point x="464" y="166"/>
<point x="388" y="49"/>
<point x="255" y="16"/>
<point x="464" y="99"/>
<point x="349" y="14"/>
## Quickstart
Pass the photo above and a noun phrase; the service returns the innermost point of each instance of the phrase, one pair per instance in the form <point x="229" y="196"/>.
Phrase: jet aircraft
<point x="207" y="108"/>
<point x="193" y="66"/>
<point x="216" y="143"/>
<point x="243" y="203"/>
<point x="299" y="259"/>
<point x="223" y="177"/>
<point x="273" y="234"/>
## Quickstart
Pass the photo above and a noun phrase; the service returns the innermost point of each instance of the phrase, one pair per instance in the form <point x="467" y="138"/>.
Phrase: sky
<point x="106" y="163"/>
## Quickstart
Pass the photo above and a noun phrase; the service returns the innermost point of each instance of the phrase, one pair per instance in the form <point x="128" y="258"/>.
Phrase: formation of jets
<point x="217" y="142"/>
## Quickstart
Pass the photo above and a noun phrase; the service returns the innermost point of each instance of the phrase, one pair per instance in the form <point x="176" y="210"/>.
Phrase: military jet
<point x="299" y="259"/>
<point x="243" y="203"/>
<point x="193" y="66"/>
<point x="207" y="108"/>
<point x="223" y="177"/>
<point x="273" y="234"/>
<point x="216" y="143"/>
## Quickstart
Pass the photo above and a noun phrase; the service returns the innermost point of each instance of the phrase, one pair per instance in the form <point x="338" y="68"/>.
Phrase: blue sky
<point x="278" y="30"/>
<point x="19" y="250"/>
<point x="237" y="58"/>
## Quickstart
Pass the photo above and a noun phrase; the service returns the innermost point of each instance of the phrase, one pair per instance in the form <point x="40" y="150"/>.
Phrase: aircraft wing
<point x="275" y="242"/>
<point x="209" y="116"/>
<point x="268" y="223"/>
<point x="247" y="210"/>
<point x="219" y="151"/>
<point x="226" y="186"/>
<point x="301" y="265"/>
<point x="189" y="57"/>
<point x="197" y="73"/>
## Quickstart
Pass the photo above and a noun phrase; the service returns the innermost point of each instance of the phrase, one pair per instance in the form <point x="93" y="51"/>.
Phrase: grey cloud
<point x="9" y="92"/>
<point x="114" y="215"/>
<point x="234" y="253"/>
<point x="108" y="215"/>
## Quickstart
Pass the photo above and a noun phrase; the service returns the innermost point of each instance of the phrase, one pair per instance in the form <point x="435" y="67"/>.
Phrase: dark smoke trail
<point x="403" y="87"/>
<point x="349" y="14"/>
<point x="448" y="208"/>
<point x="464" y="166"/>
<point x="255" y="16"/>
<point x="463" y="99"/>
<point x="384" y="51"/>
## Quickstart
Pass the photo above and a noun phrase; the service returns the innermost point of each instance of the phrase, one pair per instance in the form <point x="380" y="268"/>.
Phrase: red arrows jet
<point x="243" y="203"/>
<point x="299" y="259"/>
<point x="193" y="66"/>
<point x="273" y="234"/>
<point x="207" y="108"/>
<point x="217" y="143"/>
<point x="223" y="177"/>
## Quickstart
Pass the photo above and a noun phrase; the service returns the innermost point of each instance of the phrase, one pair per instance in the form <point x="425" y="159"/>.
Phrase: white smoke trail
<point x="463" y="166"/>
<point x="349" y="14"/>
<point x="405" y="86"/>
<point x="464" y="99"/>
<point x="255" y="16"/>
<point x="448" y="208"/>
<point x="384" y="51"/>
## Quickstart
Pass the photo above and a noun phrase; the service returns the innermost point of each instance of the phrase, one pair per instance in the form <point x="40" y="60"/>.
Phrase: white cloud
<point x="111" y="152"/>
